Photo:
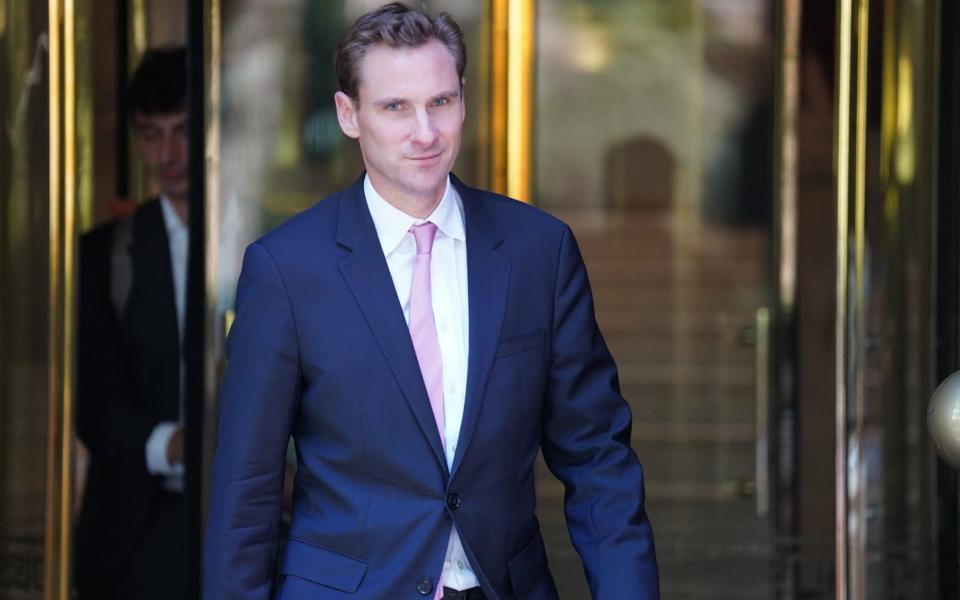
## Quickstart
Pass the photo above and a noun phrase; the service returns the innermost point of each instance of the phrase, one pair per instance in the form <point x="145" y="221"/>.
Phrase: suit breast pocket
<point x="518" y="344"/>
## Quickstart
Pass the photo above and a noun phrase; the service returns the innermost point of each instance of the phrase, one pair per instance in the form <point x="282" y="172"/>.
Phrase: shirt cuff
<point x="157" y="450"/>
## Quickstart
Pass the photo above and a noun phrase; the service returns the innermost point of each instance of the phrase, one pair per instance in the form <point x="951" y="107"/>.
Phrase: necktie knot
<point x="424" y="234"/>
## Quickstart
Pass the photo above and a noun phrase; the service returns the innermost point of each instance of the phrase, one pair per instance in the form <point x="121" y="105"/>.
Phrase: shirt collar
<point x="171" y="219"/>
<point x="392" y="223"/>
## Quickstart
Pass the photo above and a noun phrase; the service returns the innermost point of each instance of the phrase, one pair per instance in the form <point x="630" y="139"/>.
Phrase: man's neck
<point x="419" y="207"/>
<point x="181" y="207"/>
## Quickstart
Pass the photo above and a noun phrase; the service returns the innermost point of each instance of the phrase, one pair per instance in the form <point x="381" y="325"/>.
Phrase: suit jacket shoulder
<point x="518" y="222"/>
<point x="314" y="223"/>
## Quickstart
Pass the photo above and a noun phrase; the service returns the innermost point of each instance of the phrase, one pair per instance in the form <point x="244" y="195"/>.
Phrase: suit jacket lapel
<point x="365" y="270"/>
<point x="488" y="278"/>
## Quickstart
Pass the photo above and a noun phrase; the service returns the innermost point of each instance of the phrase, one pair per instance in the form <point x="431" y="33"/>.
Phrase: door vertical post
<point x="512" y="47"/>
<point x="849" y="333"/>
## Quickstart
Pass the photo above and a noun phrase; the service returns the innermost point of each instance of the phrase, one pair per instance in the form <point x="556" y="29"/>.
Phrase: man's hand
<point x="175" y="448"/>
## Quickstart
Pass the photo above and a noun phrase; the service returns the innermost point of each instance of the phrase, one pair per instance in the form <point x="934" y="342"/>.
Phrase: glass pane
<point x="890" y="495"/>
<point x="24" y="295"/>
<point x="654" y="141"/>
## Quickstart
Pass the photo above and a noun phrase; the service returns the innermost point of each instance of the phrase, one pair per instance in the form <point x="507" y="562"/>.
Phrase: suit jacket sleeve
<point x="259" y="398"/>
<point x="108" y="419"/>
<point x="586" y="444"/>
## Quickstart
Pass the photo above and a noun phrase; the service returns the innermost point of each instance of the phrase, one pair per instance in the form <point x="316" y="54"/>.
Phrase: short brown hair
<point x="398" y="26"/>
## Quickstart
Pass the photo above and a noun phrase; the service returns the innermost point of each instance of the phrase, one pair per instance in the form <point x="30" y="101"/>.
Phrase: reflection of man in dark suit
<point x="131" y="531"/>
<point x="421" y="340"/>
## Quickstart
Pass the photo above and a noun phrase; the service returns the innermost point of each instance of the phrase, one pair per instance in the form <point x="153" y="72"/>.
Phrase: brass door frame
<point x="512" y="44"/>
<point x="69" y="192"/>
<point x="851" y="108"/>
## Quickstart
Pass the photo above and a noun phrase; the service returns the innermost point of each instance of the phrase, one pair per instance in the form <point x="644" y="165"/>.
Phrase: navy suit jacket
<point x="320" y="350"/>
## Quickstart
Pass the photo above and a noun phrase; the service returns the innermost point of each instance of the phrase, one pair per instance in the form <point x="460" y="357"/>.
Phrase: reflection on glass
<point x="895" y="539"/>
<point x="24" y="296"/>
<point x="654" y="141"/>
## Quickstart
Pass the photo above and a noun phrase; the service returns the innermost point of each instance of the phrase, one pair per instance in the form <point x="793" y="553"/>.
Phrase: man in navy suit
<point x="421" y="341"/>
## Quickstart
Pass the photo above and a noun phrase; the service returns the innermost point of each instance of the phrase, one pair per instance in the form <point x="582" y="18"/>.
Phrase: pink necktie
<point x="423" y="332"/>
<point x="423" y="329"/>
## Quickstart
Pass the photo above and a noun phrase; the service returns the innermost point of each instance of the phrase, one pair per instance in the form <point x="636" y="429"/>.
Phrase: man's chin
<point x="176" y="192"/>
<point x="429" y="187"/>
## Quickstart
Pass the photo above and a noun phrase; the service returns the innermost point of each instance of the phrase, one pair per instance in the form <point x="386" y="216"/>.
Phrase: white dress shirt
<point x="178" y="237"/>
<point x="448" y="288"/>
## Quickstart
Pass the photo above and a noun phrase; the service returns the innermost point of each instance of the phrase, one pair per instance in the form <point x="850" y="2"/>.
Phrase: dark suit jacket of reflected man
<point x="130" y="533"/>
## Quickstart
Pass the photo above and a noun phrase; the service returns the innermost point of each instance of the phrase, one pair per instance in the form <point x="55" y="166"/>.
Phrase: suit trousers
<point x="158" y="567"/>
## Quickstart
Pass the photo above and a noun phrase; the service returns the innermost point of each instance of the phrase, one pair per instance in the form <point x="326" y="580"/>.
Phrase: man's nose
<point x="169" y="147"/>
<point x="424" y="132"/>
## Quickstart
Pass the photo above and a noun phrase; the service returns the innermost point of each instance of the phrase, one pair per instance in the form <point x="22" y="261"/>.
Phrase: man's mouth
<point x="427" y="157"/>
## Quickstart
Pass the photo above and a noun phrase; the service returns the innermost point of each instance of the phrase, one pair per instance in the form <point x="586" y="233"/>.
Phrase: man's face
<point x="408" y="120"/>
<point x="161" y="140"/>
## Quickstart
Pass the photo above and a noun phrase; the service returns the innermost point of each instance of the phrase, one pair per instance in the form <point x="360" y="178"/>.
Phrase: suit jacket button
<point x="453" y="501"/>
<point x="424" y="586"/>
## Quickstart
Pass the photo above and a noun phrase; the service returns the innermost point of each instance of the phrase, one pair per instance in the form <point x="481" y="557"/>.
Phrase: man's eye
<point x="441" y="101"/>
<point x="393" y="106"/>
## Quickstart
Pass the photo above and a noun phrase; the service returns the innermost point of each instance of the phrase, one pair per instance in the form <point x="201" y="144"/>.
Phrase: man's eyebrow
<point x="386" y="101"/>
<point x="398" y="100"/>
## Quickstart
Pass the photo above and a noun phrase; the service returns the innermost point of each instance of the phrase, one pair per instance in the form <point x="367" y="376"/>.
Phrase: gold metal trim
<point x="51" y="534"/>
<point x="498" y="96"/>
<point x="850" y="333"/>
<point x="858" y="499"/>
<point x="67" y="300"/>
<point x="520" y="97"/>
<point x="843" y="150"/>
<point x="62" y="220"/>
<point x="513" y="26"/>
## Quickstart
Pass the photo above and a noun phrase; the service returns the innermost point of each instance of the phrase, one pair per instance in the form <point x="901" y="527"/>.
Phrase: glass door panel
<point x="654" y="134"/>
<point x="41" y="71"/>
<point x="24" y="296"/>
<point x="890" y="330"/>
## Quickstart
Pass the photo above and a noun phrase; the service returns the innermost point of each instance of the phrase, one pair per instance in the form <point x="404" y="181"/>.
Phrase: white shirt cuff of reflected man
<point x="157" y="443"/>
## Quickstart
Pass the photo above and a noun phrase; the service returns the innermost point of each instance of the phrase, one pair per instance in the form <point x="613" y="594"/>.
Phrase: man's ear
<point x="346" y="115"/>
